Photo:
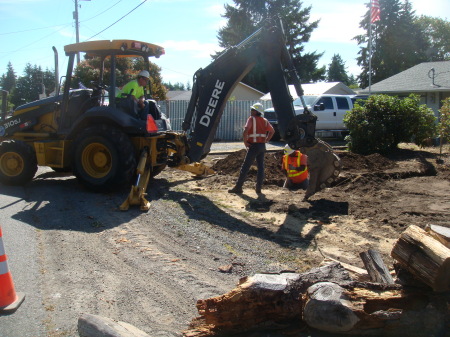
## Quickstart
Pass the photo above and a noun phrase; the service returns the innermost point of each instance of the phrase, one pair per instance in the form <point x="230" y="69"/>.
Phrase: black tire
<point x="157" y="170"/>
<point x="103" y="158"/>
<point x="18" y="163"/>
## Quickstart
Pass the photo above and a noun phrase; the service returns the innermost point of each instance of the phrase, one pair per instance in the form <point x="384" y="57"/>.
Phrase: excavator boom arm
<point x="214" y="84"/>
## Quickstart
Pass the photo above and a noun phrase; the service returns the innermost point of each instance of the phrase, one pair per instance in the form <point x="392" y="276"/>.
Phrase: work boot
<point x="236" y="190"/>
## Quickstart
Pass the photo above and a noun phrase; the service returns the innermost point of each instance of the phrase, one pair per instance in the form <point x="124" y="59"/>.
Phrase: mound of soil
<point x="350" y="162"/>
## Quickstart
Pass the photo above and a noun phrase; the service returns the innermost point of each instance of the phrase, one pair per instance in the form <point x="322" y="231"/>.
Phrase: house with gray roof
<point x="430" y="80"/>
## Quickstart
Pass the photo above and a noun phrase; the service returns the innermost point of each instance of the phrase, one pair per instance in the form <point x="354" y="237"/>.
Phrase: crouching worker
<point x="295" y="167"/>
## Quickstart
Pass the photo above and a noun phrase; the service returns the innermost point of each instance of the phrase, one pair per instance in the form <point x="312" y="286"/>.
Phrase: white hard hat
<point x="288" y="150"/>
<point x="258" y="107"/>
<point x="144" y="73"/>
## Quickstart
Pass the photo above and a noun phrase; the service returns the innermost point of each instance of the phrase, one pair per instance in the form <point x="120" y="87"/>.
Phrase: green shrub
<point x="385" y="121"/>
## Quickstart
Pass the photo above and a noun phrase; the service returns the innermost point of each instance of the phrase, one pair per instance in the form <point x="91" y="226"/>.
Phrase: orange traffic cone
<point x="9" y="299"/>
<point x="151" y="124"/>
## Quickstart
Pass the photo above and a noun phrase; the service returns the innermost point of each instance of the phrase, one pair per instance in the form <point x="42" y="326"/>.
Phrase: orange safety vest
<point x="257" y="129"/>
<point x="296" y="176"/>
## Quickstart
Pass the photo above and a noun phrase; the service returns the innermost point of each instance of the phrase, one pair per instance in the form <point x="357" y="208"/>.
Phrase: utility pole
<point x="77" y="33"/>
<point x="77" y="24"/>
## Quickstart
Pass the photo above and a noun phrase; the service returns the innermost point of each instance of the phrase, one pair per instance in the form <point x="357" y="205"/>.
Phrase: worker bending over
<point x="295" y="166"/>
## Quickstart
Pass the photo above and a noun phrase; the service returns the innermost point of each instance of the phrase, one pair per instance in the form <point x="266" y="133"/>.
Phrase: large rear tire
<point x="103" y="158"/>
<point x="157" y="170"/>
<point x="18" y="163"/>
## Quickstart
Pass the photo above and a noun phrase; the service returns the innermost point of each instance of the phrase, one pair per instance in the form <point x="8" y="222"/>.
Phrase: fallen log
<point x="324" y="298"/>
<point x="261" y="301"/>
<point x="424" y="257"/>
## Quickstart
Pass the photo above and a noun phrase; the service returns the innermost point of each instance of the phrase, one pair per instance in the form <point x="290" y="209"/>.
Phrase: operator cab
<point x="99" y="96"/>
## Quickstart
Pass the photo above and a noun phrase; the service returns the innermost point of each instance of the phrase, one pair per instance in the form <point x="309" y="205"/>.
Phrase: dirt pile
<point x="351" y="162"/>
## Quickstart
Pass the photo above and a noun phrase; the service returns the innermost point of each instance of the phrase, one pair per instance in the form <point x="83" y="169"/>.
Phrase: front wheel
<point x="103" y="158"/>
<point x="18" y="163"/>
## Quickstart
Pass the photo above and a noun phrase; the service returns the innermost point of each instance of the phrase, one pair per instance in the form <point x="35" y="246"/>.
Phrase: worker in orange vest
<point x="257" y="132"/>
<point x="295" y="166"/>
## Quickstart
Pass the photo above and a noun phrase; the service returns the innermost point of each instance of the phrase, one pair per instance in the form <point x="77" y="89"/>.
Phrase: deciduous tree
<point x="126" y="69"/>
<point x="437" y="32"/>
<point x="34" y="82"/>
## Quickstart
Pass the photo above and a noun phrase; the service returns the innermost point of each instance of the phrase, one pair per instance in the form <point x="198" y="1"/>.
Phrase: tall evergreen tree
<point x="398" y="42"/>
<point x="336" y="70"/>
<point x="246" y="16"/>
<point x="8" y="80"/>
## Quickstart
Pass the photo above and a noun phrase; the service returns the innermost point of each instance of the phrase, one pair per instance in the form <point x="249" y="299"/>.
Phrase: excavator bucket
<point x="324" y="167"/>
<point x="198" y="169"/>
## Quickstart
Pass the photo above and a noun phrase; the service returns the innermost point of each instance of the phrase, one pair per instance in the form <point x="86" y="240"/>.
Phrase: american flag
<point x="374" y="11"/>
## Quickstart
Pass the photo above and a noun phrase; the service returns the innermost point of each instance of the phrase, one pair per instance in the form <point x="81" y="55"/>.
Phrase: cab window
<point x="342" y="103"/>
<point x="327" y="102"/>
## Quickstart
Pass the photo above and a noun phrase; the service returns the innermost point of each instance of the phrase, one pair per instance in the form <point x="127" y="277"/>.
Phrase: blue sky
<point x="187" y="29"/>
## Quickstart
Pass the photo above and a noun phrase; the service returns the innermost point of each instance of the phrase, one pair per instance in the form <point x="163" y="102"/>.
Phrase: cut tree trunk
<point x="424" y="257"/>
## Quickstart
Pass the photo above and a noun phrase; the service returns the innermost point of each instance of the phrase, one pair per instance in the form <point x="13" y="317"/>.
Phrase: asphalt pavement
<point x="226" y="147"/>
<point x="22" y="250"/>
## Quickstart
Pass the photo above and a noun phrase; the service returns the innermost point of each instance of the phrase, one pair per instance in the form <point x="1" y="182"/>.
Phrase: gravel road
<point x="147" y="269"/>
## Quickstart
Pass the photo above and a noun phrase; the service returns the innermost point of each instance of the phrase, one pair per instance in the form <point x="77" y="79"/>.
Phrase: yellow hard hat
<point x="288" y="150"/>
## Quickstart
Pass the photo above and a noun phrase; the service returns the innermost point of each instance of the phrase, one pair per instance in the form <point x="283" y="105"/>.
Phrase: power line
<point x="101" y="12"/>
<point x="62" y="24"/>
<point x="33" y="29"/>
<point x="118" y="20"/>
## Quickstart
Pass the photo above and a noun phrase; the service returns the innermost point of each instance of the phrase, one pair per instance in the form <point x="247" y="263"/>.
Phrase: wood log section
<point x="424" y="257"/>
<point x="324" y="298"/>
<point x="376" y="268"/>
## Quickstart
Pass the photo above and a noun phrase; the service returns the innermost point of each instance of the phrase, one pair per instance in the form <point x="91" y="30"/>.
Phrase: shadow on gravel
<point x="201" y="208"/>
<point x="49" y="202"/>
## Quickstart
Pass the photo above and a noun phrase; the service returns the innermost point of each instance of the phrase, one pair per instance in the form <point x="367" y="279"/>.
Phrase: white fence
<point x="231" y="124"/>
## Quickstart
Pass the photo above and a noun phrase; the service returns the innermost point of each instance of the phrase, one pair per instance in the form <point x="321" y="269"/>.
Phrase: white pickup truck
<point x="329" y="109"/>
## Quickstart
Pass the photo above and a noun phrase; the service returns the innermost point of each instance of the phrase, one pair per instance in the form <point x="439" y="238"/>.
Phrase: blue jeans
<point x="255" y="151"/>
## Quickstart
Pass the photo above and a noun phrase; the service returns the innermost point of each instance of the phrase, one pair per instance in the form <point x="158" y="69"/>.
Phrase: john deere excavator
<point x="105" y="143"/>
